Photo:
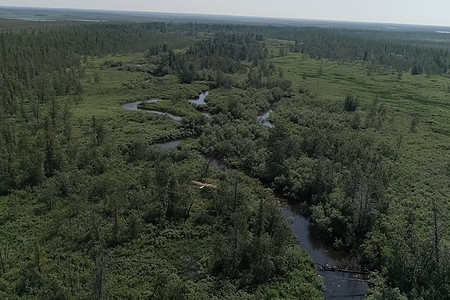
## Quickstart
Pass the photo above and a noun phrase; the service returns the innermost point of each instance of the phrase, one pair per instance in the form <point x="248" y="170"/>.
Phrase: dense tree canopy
<point x="89" y="208"/>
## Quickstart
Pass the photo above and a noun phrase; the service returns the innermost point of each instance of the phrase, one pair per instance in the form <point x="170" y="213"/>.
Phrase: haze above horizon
<point x="433" y="12"/>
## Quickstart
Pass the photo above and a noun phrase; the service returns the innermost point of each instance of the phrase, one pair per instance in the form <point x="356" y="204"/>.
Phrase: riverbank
<point x="339" y="284"/>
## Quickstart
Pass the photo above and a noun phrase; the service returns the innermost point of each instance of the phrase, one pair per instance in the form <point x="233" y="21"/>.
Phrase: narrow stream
<point x="170" y="144"/>
<point x="339" y="285"/>
<point x="200" y="100"/>
<point x="134" y="106"/>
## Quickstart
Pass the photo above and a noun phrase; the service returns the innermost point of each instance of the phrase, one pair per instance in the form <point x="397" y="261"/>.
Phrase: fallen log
<point x="331" y="268"/>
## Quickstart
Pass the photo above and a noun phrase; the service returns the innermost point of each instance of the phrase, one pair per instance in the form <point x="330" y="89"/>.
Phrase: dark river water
<point x="339" y="285"/>
<point x="133" y="106"/>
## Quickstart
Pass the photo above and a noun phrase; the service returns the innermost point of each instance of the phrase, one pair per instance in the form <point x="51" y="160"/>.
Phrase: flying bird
<point x="203" y="185"/>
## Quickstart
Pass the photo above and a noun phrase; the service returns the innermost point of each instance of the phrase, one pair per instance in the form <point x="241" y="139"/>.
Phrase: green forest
<point x="93" y="206"/>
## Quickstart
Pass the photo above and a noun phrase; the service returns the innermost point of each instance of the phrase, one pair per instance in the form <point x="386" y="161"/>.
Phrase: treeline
<point x="109" y="215"/>
<point x="335" y="162"/>
<point x="416" y="52"/>
<point x="85" y="216"/>
<point x="337" y="159"/>
<point x="213" y="59"/>
<point x="41" y="61"/>
<point x="331" y="158"/>
<point x="402" y="54"/>
<point x="39" y="65"/>
<point x="72" y="184"/>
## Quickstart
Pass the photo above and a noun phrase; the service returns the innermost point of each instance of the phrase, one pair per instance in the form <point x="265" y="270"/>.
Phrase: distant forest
<point x="90" y="208"/>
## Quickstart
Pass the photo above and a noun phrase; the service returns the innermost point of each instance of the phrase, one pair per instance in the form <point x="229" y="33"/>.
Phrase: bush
<point x="351" y="103"/>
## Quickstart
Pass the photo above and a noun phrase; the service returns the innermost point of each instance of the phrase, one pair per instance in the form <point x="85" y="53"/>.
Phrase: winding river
<point x="134" y="106"/>
<point x="339" y="285"/>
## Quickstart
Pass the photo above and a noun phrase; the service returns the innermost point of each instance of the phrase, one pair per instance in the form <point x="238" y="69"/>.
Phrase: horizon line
<point x="224" y="15"/>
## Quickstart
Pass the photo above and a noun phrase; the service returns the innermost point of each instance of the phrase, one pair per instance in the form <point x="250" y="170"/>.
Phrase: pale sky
<point x="426" y="12"/>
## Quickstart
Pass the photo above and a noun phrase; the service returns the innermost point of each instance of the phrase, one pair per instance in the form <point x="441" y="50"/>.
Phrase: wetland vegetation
<point x="92" y="208"/>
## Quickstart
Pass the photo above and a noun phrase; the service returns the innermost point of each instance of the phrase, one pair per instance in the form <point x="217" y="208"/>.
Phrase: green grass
<point x="420" y="174"/>
<point x="424" y="155"/>
<point x="180" y="108"/>
<point x="107" y="89"/>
